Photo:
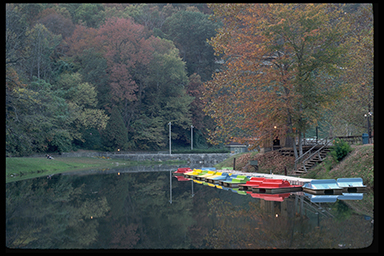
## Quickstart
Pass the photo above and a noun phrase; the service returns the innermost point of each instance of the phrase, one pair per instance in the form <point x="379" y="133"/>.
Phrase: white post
<point x="170" y="137"/>
<point x="192" y="136"/>
<point x="170" y="186"/>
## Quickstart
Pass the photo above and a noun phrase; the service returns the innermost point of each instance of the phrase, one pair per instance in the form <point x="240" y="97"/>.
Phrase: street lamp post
<point x="368" y="124"/>
<point x="192" y="136"/>
<point x="170" y="138"/>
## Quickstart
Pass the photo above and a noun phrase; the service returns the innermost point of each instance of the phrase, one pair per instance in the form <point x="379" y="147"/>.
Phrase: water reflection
<point x="128" y="208"/>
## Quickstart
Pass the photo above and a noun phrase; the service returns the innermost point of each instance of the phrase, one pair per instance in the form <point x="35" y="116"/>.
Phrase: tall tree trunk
<point x="300" y="145"/>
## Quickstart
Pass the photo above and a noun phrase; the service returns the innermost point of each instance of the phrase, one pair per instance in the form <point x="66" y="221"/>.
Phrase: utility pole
<point x="170" y="138"/>
<point x="170" y="186"/>
<point x="192" y="136"/>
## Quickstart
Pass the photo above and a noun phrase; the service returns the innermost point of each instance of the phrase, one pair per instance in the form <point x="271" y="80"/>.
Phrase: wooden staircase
<point x="316" y="154"/>
<point x="313" y="160"/>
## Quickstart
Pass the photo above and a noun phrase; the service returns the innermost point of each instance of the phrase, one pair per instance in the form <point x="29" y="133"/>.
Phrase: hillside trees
<point x="189" y="30"/>
<point x="73" y="64"/>
<point x="349" y="113"/>
<point x="282" y="64"/>
<point x="43" y="115"/>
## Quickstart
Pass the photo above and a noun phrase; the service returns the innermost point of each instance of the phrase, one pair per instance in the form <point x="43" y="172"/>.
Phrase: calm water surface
<point x="153" y="210"/>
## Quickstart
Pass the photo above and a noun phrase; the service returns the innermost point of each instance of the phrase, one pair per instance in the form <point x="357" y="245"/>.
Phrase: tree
<point x="42" y="46"/>
<point x="56" y="23"/>
<point x="282" y="62"/>
<point x="165" y="98"/>
<point x="190" y="30"/>
<point x="82" y="101"/>
<point x="115" y="135"/>
<point x="201" y="122"/>
<point x="349" y="113"/>
<point x="127" y="53"/>
<point x="91" y="15"/>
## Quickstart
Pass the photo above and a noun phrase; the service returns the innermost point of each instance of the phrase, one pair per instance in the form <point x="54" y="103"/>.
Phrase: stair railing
<point x="320" y="142"/>
<point x="314" y="153"/>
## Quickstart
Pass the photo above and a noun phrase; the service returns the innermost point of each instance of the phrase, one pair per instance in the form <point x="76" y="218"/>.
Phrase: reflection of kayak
<point x="270" y="197"/>
<point x="181" y="178"/>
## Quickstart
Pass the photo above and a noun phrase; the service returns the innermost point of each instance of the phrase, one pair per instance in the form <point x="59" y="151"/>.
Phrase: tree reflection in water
<point x="133" y="210"/>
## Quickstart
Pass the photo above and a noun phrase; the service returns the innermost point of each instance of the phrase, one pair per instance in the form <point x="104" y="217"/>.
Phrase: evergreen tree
<point x="115" y="135"/>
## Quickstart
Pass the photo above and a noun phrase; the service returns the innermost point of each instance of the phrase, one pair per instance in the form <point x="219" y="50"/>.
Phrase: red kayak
<point x="275" y="186"/>
<point x="180" y="171"/>
<point x="253" y="182"/>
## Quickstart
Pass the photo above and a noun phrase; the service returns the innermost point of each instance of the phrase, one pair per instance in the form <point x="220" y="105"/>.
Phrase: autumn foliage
<point x="282" y="65"/>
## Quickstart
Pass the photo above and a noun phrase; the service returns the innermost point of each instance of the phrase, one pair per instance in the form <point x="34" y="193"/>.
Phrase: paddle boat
<point x="194" y="173"/>
<point x="351" y="185"/>
<point x="216" y="174"/>
<point x="275" y="186"/>
<point x="181" y="171"/>
<point x="197" y="177"/>
<point x="253" y="182"/>
<point x="228" y="178"/>
<point x="234" y="182"/>
<point x="208" y="174"/>
<point x="208" y="168"/>
<point x="216" y="179"/>
<point x="323" y="187"/>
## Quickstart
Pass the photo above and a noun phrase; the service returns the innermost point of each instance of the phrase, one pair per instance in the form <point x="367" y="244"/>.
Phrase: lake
<point x="148" y="208"/>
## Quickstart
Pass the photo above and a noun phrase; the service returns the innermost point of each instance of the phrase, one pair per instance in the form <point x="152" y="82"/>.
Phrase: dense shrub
<point x="340" y="149"/>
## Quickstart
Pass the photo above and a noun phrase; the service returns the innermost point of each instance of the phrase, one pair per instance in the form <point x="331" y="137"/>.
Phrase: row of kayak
<point x="245" y="183"/>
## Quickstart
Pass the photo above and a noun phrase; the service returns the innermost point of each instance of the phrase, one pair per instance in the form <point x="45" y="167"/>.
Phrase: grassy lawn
<point x="358" y="163"/>
<point x="20" y="168"/>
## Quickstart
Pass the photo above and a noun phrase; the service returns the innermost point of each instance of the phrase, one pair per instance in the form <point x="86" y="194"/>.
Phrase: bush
<point x="340" y="149"/>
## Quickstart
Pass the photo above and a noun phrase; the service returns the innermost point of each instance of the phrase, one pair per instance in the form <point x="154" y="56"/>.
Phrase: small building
<point x="236" y="147"/>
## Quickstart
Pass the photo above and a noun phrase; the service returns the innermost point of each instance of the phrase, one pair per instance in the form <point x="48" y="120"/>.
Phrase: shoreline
<point x="21" y="168"/>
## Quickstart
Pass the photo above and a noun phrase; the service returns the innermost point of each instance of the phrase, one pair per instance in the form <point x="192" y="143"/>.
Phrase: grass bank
<point x="20" y="168"/>
<point x="268" y="162"/>
<point x="358" y="163"/>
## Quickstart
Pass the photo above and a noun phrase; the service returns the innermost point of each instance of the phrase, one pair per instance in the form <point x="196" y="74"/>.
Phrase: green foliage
<point x="340" y="149"/>
<point x="190" y="30"/>
<point x="115" y="135"/>
<point x="67" y="64"/>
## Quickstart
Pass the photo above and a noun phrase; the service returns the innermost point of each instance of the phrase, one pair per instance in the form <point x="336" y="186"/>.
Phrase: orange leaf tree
<point x="281" y="69"/>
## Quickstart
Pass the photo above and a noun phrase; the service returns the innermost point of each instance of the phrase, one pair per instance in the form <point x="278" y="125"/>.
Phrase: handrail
<point x="309" y="151"/>
<point x="318" y="143"/>
<point x="317" y="151"/>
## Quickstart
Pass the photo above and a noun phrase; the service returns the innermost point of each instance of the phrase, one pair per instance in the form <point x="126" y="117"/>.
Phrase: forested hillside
<point x="112" y="76"/>
<point x="106" y="76"/>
